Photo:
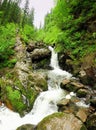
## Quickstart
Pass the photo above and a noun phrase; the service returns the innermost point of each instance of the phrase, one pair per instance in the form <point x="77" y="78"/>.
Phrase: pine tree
<point x="26" y="12"/>
<point x="31" y="17"/>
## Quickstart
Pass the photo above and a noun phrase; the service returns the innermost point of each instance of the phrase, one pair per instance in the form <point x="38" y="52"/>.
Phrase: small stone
<point x="63" y="102"/>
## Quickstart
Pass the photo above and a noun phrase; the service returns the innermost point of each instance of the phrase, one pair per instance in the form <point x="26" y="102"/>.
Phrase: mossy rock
<point x="61" y="121"/>
<point x="38" y="80"/>
<point x="26" y="127"/>
<point x="91" y="122"/>
<point x="16" y="97"/>
<point x="71" y="85"/>
<point x="82" y="93"/>
<point x="44" y="64"/>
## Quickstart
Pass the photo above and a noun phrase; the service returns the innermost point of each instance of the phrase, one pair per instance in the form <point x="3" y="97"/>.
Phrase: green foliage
<point x="71" y="26"/>
<point x="51" y="35"/>
<point x="11" y="63"/>
<point x="7" y="42"/>
<point x="27" y="33"/>
<point x="15" y="98"/>
<point x="40" y="34"/>
<point x="28" y="16"/>
<point x="11" y="11"/>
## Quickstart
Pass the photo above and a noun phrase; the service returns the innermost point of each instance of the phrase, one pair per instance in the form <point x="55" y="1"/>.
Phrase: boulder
<point x="65" y="61"/>
<point x="26" y="127"/>
<point x="82" y="114"/>
<point x="38" y="80"/>
<point x="71" y="85"/>
<point x="93" y="102"/>
<point x="91" y="122"/>
<point x="61" y="121"/>
<point x="40" y="58"/>
<point x="39" y="54"/>
<point x="82" y="92"/>
<point x="88" y="76"/>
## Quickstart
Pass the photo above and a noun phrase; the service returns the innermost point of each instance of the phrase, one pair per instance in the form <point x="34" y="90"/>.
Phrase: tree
<point x="26" y="12"/>
<point x="31" y="17"/>
<point x="11" y="11"/>
<point x="71" y="25"/>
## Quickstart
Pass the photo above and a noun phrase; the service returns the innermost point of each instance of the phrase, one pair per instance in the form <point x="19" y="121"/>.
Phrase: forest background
<point x="71" y="26"/>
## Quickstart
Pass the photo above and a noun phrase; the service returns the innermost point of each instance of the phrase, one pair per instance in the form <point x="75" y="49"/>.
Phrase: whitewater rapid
<point x="46" y="102"/>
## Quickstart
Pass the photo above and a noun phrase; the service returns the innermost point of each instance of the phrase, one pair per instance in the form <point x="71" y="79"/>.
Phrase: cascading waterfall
<point x="45" y="104"/>
<point x="54" y="58"/>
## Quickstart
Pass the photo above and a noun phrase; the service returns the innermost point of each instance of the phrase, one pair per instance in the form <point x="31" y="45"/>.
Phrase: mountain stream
<point x="46" y="102"/>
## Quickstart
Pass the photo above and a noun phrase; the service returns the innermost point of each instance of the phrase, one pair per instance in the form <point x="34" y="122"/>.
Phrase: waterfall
<point x="45" y="104"/>
<point x="54" y="58"/>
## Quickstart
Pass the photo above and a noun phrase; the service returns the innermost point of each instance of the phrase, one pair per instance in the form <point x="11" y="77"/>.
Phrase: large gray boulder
<point x="61" y="121"/>
<point x="39" y="54"/>
<point x="40" y="58"/>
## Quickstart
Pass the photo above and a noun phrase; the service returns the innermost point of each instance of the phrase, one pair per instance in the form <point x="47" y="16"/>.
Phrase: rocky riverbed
<point x="21" y="85"/>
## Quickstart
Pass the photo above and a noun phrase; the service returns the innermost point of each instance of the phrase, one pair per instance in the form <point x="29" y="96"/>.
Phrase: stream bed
<point x="46" y="102"/>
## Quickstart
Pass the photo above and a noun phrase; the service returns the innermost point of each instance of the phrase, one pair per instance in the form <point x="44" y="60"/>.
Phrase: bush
<point x="7" y="42"/>
<point x="27" y="33"/>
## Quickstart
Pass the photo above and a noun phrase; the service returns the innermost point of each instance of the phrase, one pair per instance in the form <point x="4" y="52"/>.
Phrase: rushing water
<point x="45" y="104"/>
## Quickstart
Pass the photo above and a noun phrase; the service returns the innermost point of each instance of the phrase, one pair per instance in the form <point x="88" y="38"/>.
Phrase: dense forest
<point x="70" y="30"/>
<point x="14" y="21"/>
<point x="71" y="26"/>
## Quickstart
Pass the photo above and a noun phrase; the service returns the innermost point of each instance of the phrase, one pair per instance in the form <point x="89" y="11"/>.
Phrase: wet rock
<point x="38" y="80"/>
<point x="93" y="102"/>
<point x="70" y="85"/>
<point x="65" y="61"/>
<point x="61" y="121"/>
<point x="88" y="76"/>
<point x="82" y="114"/>
<point x="30" y="47"/>
<point x="26" y="127"/>
<point x="68" y="105"/>
<point x="91" y="122"/>
<point x="82" y="93"/>
<point x="39" y="54"/>
<point x="63" y="102"/>
<point x="64" y="82"/>
<point x="40" y="58"/>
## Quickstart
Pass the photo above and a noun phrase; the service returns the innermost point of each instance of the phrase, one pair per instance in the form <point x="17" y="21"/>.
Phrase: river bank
<point x="21" y="86"/>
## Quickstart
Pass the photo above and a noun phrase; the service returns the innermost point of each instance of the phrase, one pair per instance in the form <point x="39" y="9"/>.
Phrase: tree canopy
<point x="14" y="20"/>
<point x="71" y="26"/>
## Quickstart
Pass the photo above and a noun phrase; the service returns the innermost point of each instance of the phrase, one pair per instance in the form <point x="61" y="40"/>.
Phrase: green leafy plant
<point x="15" y="98"/>
<point x="7" y="42"/>
<point x="27" y="33"/>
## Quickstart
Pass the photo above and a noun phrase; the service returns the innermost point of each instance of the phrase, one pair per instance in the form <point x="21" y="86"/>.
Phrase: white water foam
<point x="45" y="104"/>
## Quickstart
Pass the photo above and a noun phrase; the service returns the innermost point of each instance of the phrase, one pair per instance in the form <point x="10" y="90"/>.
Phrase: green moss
<point x="82" y="93"/>
<point x="47" y="119"/>
<point x="12" y="90"/>
<point x="15" y="98"/>
<point x="31" y="95"/>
